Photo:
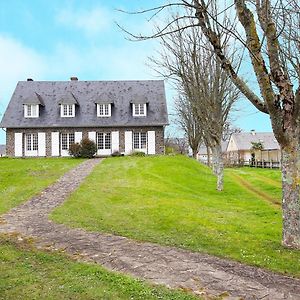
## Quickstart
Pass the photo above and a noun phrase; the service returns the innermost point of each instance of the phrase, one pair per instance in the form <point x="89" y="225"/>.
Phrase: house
<point x="2" y="150"/>
<point x="44" y="118"/>
<point x="240" y="147"/>
<point x="202" y="154"/>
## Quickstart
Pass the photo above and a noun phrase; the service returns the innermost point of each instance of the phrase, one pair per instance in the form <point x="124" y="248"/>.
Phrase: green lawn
<point x="30" y="274"/>
<point x="20" y="179"/>
<point x="173" y="201"/>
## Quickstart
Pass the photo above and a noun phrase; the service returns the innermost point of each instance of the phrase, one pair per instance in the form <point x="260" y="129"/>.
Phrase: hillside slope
<point x="173" y="201"/>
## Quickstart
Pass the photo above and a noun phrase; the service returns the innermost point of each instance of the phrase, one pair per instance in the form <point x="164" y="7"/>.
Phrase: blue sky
<point x="53" y="40"/>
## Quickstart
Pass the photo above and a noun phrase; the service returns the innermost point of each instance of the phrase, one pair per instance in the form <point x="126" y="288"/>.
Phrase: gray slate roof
<point x="87" y="93"/>
<point x="243" y="140"/>
<point x="203" y="149"/>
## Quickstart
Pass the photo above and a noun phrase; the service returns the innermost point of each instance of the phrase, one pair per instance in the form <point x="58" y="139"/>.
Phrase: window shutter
<point x="151" y="142"/>
<point x="128" y="142"/>
<point x="55" y="143"/>
<point x="92" y="136"/>
<point x="41" y="144"/>
<point x="18" y="144"/>
<point x="115" y="141"/>
<point x="78" y="137"/>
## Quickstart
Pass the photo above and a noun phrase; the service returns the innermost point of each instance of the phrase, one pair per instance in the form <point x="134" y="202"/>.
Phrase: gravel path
<point x="203" y="274"/>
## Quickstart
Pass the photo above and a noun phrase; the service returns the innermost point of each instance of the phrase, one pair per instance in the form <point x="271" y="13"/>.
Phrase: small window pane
<point x="107" y="140"/>
<point x="71" y="138"/>
<point x="28" y="142"/>
<point x="100" y="143"/>
<point x="64" y="141"/>
<point x="143" y="140"/>
<point x="136" y="140"/>
<point x="141" y="109"/>
<point x="35" y="142"/>
<point x="29" y="110"/>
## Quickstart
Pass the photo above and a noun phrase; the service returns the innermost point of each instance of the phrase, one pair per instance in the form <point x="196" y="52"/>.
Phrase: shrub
<point x="75" y="150"/>
<point x="138" y="153"/>
<point x="86" y="149"/>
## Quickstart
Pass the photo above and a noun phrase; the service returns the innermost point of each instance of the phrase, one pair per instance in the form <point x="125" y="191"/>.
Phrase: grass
<point x="30" y="274"/>
<point x="21" y="179"/>
<point x="173" y="201"/>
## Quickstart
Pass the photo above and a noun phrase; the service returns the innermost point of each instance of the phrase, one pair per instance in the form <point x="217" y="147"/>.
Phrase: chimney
<point x="252" y="131"/>
<point x="29" y="79"/>
<point x="74" y="78"/>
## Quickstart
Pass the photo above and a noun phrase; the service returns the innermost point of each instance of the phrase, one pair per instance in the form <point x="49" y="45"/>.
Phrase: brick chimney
<point x="74" y="78"/>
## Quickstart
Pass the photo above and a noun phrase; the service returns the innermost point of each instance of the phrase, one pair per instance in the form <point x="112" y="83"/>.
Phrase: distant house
<point x="202" y="154"/>
<point x="240" y="147"/>
<point x="44" y="118"/>
<point x="2" y="150"/>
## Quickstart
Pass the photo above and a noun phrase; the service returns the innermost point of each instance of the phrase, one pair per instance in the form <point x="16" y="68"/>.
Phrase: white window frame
<point x="31" y="110"/>
<point x="139" y="109"/>
<point x="137" y="144"/>
<point x="104" y="110"/>
<point x="31" y="144"/>
<point x="70" y="139"/>
<point x="104" y="147"/>
<point x="67" y="110"/>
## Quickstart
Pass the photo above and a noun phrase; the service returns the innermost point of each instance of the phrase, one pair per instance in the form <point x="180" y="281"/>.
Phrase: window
<point x="67" y="110"/>
<point x="31" y="110"/>
<point x="139" y="109"/>
<point x="139" y="140"/>
<point x="67" y="139"/>
<point x="32" y="142"/>
<point x="104" y="110"/>
<point x="103" y="140"/>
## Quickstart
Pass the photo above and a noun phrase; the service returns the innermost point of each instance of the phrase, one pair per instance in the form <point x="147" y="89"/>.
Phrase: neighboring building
<point x="202" y="154"/>
<point x="44" y="117"/>
<point x="240" y="147"/>
<point x="2" y="150"/>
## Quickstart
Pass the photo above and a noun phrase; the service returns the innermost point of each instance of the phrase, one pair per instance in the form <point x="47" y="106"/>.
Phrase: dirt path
<point x="245" y="184"/>
<point x="203" y="274"/>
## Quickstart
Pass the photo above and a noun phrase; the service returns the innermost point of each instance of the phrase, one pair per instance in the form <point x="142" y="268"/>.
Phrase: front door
<point x="66" y="139"/>
<point x="31" y="144"/>
<point x="103" y="143"/>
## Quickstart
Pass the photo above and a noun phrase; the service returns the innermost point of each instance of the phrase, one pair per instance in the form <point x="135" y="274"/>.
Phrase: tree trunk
<point x="195" y="153"/>
<point x="208" y="155"/>
<point x="290" y="159"/>
<point x="218" y="166"/>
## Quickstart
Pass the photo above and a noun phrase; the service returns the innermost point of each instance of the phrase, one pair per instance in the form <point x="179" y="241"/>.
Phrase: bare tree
<point x="189" y="123"/>
<point x="206" y="92"/>
<point x="228" y="129"/>
<point x="270" y="33"/>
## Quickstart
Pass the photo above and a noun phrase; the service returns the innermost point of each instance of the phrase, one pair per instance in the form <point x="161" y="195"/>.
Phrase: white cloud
<point x="18" y="62"/>
<point x="91" y="21"/>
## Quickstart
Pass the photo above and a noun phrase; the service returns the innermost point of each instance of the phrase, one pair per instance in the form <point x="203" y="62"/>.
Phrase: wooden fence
<point x="255" y="164"/>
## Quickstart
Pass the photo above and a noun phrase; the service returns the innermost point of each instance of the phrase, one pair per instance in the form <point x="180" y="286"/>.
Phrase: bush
<point x="138" y="153"/>
<point x="75" y="150"/>
<point x="86" y="149"/>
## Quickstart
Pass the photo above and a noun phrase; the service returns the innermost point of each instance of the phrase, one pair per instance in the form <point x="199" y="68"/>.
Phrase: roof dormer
<point x="139" y="106"/>
<point x="32" y="105"/>
<point x="68" y="106"/>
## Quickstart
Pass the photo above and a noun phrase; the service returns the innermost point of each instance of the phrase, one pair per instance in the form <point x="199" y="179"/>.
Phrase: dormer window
<point x="67" y="110"/>
<point x="139" y="109"/>
<point x="103" y="109"/>
<point x="31" y="110"/>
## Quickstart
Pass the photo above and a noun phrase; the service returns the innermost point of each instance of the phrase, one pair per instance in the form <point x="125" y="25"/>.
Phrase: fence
<point x="255" y="164"/>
